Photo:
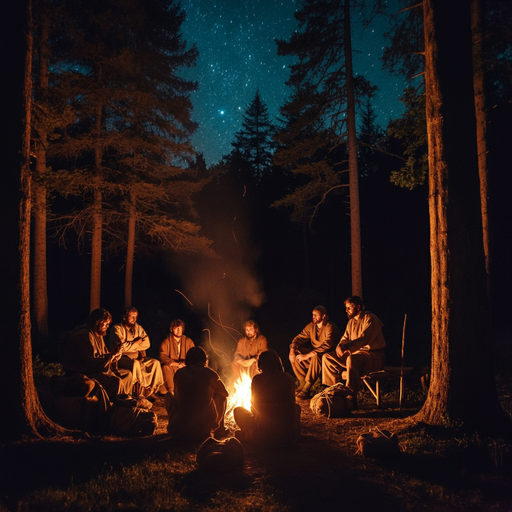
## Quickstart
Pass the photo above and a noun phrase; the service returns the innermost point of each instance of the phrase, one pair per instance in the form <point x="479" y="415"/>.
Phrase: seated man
<point x="85" y="352"/>
<point x="196" y="410"/>
<point x="275" y="417"/>
<point x="248" y="350"/>
<point x="173" y="351"/>
<point x="133" y="342"/>
<point x="307" y="348"/>
<point x="360" y="350"/>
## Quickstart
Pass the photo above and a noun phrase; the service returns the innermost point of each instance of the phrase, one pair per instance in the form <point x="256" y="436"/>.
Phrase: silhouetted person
<point x="197" y="408"/>
<point x="274" y="418"/>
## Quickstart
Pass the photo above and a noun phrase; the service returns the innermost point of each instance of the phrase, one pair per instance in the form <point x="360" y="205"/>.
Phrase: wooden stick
<point x="402" y="367"/>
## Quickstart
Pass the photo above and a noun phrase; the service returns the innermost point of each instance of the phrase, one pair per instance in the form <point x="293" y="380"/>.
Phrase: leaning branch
<point x="324" y="196"/>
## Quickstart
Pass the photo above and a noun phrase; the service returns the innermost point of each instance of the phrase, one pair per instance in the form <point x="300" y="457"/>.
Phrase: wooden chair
<point x="373" y="379"/>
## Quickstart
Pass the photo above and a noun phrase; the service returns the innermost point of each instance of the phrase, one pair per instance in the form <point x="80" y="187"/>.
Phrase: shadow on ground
<point x="322" y="472"/>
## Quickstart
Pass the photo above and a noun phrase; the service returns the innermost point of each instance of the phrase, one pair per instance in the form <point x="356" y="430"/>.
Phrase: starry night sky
<point x="238" y="55"/>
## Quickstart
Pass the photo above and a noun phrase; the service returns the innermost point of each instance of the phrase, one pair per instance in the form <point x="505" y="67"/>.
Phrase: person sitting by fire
<point x="248" y="350"/>
<point x="173" y="351"/>
<point x="134" y="342"/>
<point x="197" y="408"/>
<point x="307" y="349"/>
<point x="275" y="417"/>
<point x="85" y="352"/>
<point x="360" y="350"/>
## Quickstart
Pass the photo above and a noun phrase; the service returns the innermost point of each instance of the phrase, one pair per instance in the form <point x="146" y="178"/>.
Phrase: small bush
<point x="43" y="372"/>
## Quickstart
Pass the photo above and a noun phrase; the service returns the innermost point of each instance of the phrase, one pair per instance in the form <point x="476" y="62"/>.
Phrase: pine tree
<point x="370" y="136"/>
<point x="50" y="115"/>
<point x="254" y="139"/>
<point x="322" y="111"/>
<point x="131" y="138"/>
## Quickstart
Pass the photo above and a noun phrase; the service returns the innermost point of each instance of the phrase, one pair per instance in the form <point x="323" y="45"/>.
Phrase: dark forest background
<point x="267" y="265"/>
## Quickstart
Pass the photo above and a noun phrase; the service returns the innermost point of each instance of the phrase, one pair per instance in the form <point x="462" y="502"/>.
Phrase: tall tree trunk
<point x="40" y="286"/>
<point x="26" y="417"/>
<point x="305" y="241"/>
<point x="355" y="223"/>
<point x="477" y="30"/>
<point x="97" y="218"/>
<point x="462" y="386"/>
<point x="40" y="281"/>
<point x="97" y="225"/>
<point x="130" y="252"/>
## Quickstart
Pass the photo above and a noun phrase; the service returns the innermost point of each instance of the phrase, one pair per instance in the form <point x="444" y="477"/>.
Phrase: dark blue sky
<point x="238" y="54"/>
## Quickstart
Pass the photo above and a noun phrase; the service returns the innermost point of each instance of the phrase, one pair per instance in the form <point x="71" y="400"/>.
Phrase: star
<point x="238" y="55"/>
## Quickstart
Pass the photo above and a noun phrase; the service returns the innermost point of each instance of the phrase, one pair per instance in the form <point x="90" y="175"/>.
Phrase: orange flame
<point x="240" y="397"/>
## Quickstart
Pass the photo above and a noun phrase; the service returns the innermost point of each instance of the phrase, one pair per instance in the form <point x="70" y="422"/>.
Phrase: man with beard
<point x="85" y="352"/>
<point x="248" y="351"/>
<point x="173" y="351"/>
<point x="360" y="350"/>
<point x="307" y="349"/>
<point x="133" y="341"/>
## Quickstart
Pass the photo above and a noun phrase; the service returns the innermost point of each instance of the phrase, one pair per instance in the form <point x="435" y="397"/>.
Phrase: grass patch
<point x="153" y="485"/>
<point x="440" y="469"/>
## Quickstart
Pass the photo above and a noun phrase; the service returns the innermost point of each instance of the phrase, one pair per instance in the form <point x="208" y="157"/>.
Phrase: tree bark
<point x="97" y="221"/>
<point x="40" y="278"/>
<point x="130" y="252"/>
<point x="97" y="225"/>
<point x="305" y="242"/>
<point x="355" y="222"/>
<point x="462" y="389"/>
<point x="481" y="128"/>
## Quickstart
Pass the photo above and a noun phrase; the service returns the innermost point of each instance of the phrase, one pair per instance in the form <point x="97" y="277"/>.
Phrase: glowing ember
<point x="239" y="397"/>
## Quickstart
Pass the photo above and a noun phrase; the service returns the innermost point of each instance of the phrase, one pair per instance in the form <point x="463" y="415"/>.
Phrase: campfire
<point x="239" y="397"/>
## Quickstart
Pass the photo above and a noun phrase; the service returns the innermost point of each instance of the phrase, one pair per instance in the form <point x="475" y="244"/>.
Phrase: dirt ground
<point x="438" y="470"/>
<point x="324" y="472"/>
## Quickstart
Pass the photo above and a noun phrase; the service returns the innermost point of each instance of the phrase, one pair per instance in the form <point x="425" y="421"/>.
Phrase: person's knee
<point x="356" y="362"/>
<point x="316" y="360"/>
<point x="327" y="360"/>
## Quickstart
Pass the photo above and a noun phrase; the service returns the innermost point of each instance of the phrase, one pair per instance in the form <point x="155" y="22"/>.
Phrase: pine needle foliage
<point x="312" y="141"/>
<point x="255" y="139"/>
<point x="411" y="131"/>
<point x="116" y="65"/>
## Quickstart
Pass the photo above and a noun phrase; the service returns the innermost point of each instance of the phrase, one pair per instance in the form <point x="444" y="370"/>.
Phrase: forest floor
<point x="439" y="469"/>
